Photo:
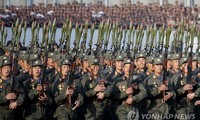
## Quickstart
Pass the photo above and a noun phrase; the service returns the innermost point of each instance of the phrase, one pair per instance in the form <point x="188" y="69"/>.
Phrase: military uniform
<point x="94" y="107"/>
<point x="36" y="109"/>
<point x="155" y="97"/>
<point x="64" y="106"/>
<point x="6" y="87"/>
<point x="113" y="101"/>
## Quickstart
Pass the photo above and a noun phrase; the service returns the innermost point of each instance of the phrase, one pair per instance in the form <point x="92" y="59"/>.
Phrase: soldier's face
<point x="20" y="62"/>
<point x="85" y="64"/>
<point x="198" y="64"/>
<point x="141" y="63"/>
<point x="119" y="65"/>
<point x="50" y="61"/>
<point x="158" y="68"/>
<point x="184" y="67"/>
<point x="194" y="64"/>
<point x="127" y="68"/>
<point x="7" y="53"/>
<point x="175" y="64"/>
<point x="94" y="69"/>
<point x="169" y="64"/>
<point x="6" y="70"/>
<point x="37" y="71"/>
<point x="65" y="69"/>
<point x="150" y="66"/>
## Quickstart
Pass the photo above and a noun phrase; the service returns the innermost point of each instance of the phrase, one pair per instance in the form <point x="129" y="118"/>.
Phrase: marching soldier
<point x="50" y="70"/>
<point x="114" y="76"/>
<point x="38" y="94"/>
<point x="23" y="62"/>
<point x="140" y="63"/>
<point x="184" y="86"/>
<point x="158" y="92"/>
<point x="194" y="67"/>
<point x="67" y="93"/>
<point x="97" y="90"/>
<point x="149" y="65"/>
<point x="11" y="93"/>
<point x="131" y="92"/>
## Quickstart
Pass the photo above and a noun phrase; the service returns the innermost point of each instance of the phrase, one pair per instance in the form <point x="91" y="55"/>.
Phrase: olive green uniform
<point x="36" y="109"/>
<point x="64" y="111"/>
<point x="9" y="86"/>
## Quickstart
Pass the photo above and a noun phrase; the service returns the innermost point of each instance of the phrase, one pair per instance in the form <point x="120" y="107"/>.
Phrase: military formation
<point x="57" y="81"/>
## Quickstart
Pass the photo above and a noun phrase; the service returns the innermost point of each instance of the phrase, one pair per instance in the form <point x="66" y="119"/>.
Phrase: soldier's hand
<point x="39" y="87"/>
<point x="197" y="102"/>
<point x="11" y="96"/>
<point x="163" y="87"/>
<point x="69" y="91"/>
<point x="99" y="88"/>
<point x="129" y="90"/>
<point x="43" y="98"/>
<point x="188" y="87"/>
<point x="168" y="96"/>
<point x="100" y="95"/>
<point x="13" y="105"/>
<point x="129" y="101"/>
<point x="77" y="104"/>
<point x="190" y="96"/>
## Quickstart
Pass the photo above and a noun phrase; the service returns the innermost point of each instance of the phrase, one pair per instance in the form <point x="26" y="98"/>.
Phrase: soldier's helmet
<point x="37" y="63"/>
<point x="5" y="62"/>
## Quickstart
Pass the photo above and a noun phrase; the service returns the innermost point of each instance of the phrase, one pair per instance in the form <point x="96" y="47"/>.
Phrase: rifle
<point x="71" y="88"/>
<point x="165" y="82"/>
<point x="125" y="33"/>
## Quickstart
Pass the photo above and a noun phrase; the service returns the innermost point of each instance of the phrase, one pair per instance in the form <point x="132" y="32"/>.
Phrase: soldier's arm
<point x="109" y="89"/>
<point x="48" y="101"/>
<point x="3" y="97"/>
<point x="21" y="94"/>
<point x="20" y="99"/>
<point x="142" y="94"/>
<point x="90" y="93"/>
<point x="80" y="98"/>
<point x="197" y="92"/>
<point x="60" y="96"/>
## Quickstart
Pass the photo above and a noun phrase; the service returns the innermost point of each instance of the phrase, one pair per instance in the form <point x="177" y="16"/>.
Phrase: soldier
<point x="140" y="63"/>
<point x="83" y="69"/>
<point x="149" y="65"/>
<point x="194" y="67"/>
<point x="37" y="94"/>
<point x="107" y="67"/>
<point x="158" y="91"/>
<point x="130" y="93"/>
<point x="50" y="70"/>
<point x="97" y="90"/>
<point x="23" y="62"/>
<point x="183" y="86"/>
<point x="195" y="96"/>
<point x="168" y="65"/>
<point x="67" y="93"/>
<point x="114" y="76"/>
<point x="11" y="93"/>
